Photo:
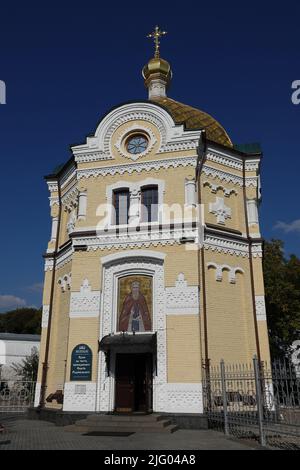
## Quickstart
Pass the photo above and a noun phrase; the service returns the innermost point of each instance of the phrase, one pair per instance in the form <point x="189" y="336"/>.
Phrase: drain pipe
<point x="201" y="151"/>
<point x="249" y="239"/>
<point x="47" y="346"/>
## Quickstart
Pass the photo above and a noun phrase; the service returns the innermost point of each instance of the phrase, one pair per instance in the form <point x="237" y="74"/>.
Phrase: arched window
<point x="149" y="201"/>
<point x="121" y="203"/>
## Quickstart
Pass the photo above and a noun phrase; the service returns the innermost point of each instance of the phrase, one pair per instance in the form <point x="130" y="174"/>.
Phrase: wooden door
<point x="124" y="401"/>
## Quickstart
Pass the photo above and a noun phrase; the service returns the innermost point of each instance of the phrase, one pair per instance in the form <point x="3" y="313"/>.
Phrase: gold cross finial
<point x="156" y="34"/>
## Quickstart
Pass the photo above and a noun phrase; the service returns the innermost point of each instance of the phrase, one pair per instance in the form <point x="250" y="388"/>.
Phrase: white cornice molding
<point x="227" y="246"/>
<point x="229" y="177"/>
<point x="126" y="255"/>
<point x="138" y="167"/>
<point x="224" y="159"/>
<point x="85" y="157"/>
<point x="233" y="161"/>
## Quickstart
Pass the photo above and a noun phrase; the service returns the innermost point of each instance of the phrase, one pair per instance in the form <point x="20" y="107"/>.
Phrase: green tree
<point x="22" y="320"/>
<point x="282" y="289"/>
<point x="27" y="370"/>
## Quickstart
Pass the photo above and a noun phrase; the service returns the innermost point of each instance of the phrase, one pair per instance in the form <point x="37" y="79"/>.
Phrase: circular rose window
<point x="136" y="144"/>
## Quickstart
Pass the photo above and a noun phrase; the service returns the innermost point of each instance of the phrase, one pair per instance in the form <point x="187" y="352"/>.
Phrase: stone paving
<point x="23" y="434"/>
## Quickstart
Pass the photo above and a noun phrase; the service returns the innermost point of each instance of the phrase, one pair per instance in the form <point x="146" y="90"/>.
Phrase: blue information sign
<point x="81" y="363"/>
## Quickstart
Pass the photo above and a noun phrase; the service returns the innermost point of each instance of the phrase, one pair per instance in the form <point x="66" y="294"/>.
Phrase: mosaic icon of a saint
<point x="134" y="314"/>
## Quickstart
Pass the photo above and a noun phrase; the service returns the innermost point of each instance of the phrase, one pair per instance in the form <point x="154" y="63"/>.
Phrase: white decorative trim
<point x="45" y="316"/>
<point x="69" y="199"/>
<point x="220" y="210"/>
<point x="112" y="270"/>
<point x="64" y="258"/>
<point x="65" y="282"/>
<point x="225" y="159"/>
<point x="215" y="187"/>
<point x="138" y="167"/>
<point x="182" y="299"/>
<point x="52" y="186"/>
<point x="131" y="238"/>
<point x="92" y="157"/>
<point x="128" y="255"/>
<point x="37" y="394"/>
<point x="223" y="245"/>
<point x="229" y="177"/>
<point x="173" y="137"/>
<point x="68" y="176"/>
<point x="54" y="201"/>
<point x="184" y="398"/>
<point x="232" y="161"/>
<point x="86" y="303"/>
<point x="260" y="307"/>
<point x="134" y="128"/>
<point x="224" y="267"/>
<point x="256" y="250"/>
<point x="252" y="165"/>
<point x="79" y="396"/>
<point x="49" y="262"/>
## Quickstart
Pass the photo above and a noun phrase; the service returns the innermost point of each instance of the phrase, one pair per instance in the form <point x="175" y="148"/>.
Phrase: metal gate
<point x="16" y="395"/>
<point x="255" y="401"/>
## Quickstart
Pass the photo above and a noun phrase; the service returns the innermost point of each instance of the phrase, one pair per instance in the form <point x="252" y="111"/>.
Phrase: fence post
<point x="262" y="439"/>
<point x="223" y="380"/>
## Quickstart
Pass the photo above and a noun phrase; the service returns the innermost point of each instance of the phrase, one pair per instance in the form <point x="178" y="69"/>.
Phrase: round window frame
<point x="132" y="135"/>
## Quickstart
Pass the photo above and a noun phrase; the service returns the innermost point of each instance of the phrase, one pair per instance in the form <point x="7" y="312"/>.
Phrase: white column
<point x="82" y="205"/>
<point x="190" y="192"/>
<point x="252" y="211"/>
<point x="54" y="228"/>
<point x="134" y="208"/>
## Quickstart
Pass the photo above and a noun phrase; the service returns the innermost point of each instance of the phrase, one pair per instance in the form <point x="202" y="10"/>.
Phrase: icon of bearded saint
<point x="135" y="314"/>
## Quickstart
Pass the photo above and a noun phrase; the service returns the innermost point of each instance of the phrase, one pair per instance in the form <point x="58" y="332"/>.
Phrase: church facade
<point x="154" y="266"/>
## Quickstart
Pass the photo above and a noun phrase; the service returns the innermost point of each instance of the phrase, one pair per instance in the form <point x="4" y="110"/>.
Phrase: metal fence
<point x="255" y="401"/>
<point x="16" y="395"/>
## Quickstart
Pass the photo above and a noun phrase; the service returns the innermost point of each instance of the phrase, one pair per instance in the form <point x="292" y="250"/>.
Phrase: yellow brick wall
<point x="183" y="349"/>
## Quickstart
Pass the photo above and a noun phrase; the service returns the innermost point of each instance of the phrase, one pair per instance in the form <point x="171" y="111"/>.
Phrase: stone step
<point x="110" y="430"/>
<point x="121" y="424"/>
<point x="125" y="418"/>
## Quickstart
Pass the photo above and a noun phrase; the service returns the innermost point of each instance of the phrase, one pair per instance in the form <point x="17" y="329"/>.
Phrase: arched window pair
<point x="149" y="204"/>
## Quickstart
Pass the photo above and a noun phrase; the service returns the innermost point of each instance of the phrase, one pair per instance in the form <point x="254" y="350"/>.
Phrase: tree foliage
<point x="282" y="290"/>
<point x="21" y="320"/>
<point x="27" y="370"/>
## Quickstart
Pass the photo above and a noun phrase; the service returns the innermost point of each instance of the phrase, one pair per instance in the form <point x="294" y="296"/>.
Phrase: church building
<point x="154" y="266"/>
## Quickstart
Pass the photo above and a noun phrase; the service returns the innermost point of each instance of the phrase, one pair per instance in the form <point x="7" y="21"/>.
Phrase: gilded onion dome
<point x="193" y="118"/>
<point x="157" y="74"/>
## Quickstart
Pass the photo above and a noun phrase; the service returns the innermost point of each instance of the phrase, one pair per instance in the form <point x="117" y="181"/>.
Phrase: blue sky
<point x="66" y="64"/>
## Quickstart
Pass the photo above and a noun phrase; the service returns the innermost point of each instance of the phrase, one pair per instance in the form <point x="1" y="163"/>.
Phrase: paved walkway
<point x="26" y="434"/>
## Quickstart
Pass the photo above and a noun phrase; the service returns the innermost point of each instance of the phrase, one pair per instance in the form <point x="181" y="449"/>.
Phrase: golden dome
<point x="157" y="65"/>
<point x="193" y="118"/>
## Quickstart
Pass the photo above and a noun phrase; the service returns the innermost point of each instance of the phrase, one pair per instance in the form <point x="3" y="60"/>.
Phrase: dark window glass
<point x="137" y="144"/>
<point x="149" y="204"/>
<point x="121" y="204"/>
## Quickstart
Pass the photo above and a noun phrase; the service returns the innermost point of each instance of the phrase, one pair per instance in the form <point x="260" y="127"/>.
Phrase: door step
<point x="116" y="424"/>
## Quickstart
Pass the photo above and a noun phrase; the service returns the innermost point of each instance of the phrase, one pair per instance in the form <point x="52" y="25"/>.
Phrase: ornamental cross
<point x="156" y="34"/>
<point x="221" y="211"/>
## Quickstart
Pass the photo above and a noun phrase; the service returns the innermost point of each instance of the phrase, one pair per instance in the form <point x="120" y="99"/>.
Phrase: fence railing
<point x="255" y="401"/>
<point x="16" y="395"/>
